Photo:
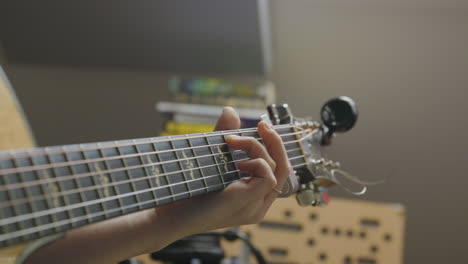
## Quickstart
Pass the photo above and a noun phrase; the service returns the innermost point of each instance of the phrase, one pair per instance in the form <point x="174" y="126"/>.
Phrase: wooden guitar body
<point x="10" y="255"/>
<point x="14" y="130"/>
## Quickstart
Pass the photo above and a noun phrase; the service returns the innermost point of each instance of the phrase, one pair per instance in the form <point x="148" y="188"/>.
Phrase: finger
<point x="261" y="173"/>
<point x="270" y="197"/>
<point x="276" y="150"/>
<point x="228" y="120"/>
<point x="252" y="146"/>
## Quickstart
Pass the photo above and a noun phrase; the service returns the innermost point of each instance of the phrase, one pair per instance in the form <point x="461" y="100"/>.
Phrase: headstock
<point x="311" y="181"/>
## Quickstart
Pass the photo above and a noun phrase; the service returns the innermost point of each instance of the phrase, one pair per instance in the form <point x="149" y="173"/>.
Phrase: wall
<point x="71" y="105"/>
<point x="404" y="62"/>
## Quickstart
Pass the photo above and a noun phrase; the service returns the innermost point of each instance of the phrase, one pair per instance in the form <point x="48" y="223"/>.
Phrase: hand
<point x="243" y="202"/>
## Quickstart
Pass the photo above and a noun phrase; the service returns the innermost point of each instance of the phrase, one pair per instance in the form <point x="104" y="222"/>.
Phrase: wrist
<point x="160" y="227"/>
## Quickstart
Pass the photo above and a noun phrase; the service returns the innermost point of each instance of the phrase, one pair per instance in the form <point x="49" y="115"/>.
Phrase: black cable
<point x="231" y="235"/>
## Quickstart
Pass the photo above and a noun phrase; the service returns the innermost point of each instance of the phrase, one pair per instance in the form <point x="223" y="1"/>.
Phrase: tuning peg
<point x="280" y="114"/>
<point x="312" y="195"/>
<point x="338" y="115"/>
<point x="306" y="197"/>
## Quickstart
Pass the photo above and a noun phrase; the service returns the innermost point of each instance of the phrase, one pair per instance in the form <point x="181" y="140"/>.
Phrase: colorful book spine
<point x="175" y="128"/>
<point x="211" y="91"/>
<point x="198" y="102"/>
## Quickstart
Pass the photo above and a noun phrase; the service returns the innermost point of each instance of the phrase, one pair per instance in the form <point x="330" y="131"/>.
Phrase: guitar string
<point x="31" y="199"/>
<point x="86" y="147"/>
<point x="84" y="161"/>
<point x="167" y="186"/>
<point x="29" y="216"/>
<point x="47" y="166"/>
<point x="2" y="221"/>
<point x="76" y="219"/>
<point x="77" y="176"/>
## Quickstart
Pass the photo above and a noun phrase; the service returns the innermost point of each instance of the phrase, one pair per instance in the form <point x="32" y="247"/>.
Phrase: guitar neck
<point x="50" y="190"/>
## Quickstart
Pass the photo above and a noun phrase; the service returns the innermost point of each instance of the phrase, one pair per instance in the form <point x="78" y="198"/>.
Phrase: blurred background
<point x="93" y="71"/>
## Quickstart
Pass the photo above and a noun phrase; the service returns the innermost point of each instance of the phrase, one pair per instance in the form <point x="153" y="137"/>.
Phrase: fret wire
<point x="215" y="162"/>
<point x="239" y="173"/>
<point x="178" y="162"/>
<point x="96" y="214"/>
<point x="45" y="193"/>
<point x="127" y="181"/>
<point x="108" y="176"/>
<point x="64" y="197"/>
<point x="50" y="201"/>
<point x="129" y="175"/>
<point x="93" y="179"/>
<point x="160" y="139"/>
<point x="212" y="155"/>
<point x="114" y="185"/>
<point x="239" y="176"/>
<point x="164" y="172"/>
<point x="30" y="202"/>
<point x="18" y="224"/>
<point x="15" y="170"/>
<point x="150" y="182"/>
<point x="52" y="211"/>
<point x="78" y="185"/>
<point x="3" y="229"/>
<point x="154" y="172"/>
<point x="198" y="163"/>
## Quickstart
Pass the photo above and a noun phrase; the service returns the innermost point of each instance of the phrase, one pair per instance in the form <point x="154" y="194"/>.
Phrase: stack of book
<point x="198" y="102"/>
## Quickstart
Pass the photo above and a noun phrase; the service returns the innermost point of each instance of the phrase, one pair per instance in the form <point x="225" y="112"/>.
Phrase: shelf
<point x="205" y="110"/>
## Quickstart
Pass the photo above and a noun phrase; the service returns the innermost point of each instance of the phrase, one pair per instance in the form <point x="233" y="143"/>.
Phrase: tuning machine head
<point x="312" y="195"/>
<point x="313" y="191"/>
<point x="280" y="114"/>
<point x="338" y="115"/>
<point x="310" y="179"/>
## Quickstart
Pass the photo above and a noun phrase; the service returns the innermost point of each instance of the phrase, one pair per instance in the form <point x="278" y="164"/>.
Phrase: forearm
<point x="242" y="202"/>
<point x="111" y="241"/>
<point x="117" y="239"/>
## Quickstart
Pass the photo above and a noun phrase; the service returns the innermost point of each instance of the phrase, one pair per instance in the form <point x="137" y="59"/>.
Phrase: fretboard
<point x="50" y="190"/>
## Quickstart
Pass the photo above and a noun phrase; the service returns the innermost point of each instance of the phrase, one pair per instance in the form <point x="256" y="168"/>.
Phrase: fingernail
<point x="267" y="125"/>
<point x="232" y="137"/>
<point x="227" y="108"/>
<point x="224" y="110"/>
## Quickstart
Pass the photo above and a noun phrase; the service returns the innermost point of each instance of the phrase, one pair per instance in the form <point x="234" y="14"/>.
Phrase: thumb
<point x="228" y="120"/>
